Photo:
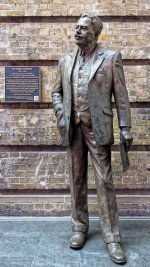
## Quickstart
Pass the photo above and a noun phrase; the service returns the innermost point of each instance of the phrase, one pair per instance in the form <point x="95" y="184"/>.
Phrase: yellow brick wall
<point x="74" y="7"/>
<point x="38" y="33"/>
<point x="30" y="41"/>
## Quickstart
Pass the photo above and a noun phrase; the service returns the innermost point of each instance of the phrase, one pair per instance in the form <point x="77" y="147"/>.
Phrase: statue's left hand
<point x="126" y="137"/>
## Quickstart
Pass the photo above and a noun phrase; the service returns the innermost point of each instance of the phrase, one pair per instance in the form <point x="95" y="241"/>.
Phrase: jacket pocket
<point x="107" y="111"/>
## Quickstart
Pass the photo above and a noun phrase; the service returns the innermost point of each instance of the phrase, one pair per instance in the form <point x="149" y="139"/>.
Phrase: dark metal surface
<point x="82" y="99"/>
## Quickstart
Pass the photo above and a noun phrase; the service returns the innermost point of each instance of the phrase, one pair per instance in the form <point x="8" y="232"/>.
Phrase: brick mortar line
<point x="32" y="148"/>
<point x="65" y="195"/>
<point x="66" y="192"/>
<point x="29" y="105"/>
<point x="48" y="105"/>
<point x="37" y="63"/>
<point x="70" y="19"/>
<point x="51" y="63"/>
<point x="60" y="148"/>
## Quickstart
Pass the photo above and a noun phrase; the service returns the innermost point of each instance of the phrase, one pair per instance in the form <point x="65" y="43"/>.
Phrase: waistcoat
<point x="80" y="79"/>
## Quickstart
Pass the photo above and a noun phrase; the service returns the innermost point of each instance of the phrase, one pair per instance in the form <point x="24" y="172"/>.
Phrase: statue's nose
<point x="78" y="30"/>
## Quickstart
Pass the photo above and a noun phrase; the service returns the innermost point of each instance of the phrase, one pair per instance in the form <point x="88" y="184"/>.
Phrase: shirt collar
<point x="83" y="54"/>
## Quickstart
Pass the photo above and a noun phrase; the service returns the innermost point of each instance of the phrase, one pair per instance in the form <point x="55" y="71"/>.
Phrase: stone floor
<point x="43" y="242"/>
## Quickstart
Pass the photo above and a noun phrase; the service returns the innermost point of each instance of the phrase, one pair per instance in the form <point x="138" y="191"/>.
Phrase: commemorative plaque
<point x="22" y="84"/>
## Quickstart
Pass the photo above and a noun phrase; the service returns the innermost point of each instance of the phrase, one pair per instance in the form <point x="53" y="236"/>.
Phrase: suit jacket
<point x="106" y="79"/>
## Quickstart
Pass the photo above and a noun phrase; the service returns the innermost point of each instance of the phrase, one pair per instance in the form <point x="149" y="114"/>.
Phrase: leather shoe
<point x="116" y="253"/>
<point x="77" y="240"/>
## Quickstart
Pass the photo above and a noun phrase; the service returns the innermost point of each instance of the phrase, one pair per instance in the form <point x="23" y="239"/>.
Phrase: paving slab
<point x="44" y="242"/>
<point x="15" y="261"/>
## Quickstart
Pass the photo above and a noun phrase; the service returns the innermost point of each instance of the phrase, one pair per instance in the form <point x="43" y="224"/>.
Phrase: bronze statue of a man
<point x="87" y="78"/>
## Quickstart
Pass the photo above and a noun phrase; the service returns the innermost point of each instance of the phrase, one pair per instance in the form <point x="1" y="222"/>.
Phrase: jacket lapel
<point x="98" y="60"/>
<point x="72" y="58"/>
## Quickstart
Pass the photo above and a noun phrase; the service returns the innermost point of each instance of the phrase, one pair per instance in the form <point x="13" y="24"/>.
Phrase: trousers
<point x="83" y="141"/>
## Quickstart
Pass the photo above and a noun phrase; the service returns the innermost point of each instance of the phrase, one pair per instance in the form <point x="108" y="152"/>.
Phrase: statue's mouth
<point x="78" y="37"/>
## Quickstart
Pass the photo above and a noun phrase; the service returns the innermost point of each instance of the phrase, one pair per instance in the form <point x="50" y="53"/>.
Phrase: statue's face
<point x="85" y="36"/>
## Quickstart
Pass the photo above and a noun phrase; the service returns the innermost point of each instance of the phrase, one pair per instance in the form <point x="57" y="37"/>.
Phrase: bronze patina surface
<point x="82" y="99"/>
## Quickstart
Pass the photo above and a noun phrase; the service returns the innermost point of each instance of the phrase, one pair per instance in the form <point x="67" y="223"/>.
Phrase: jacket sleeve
<point x="57" y="92"/>
<point x="120" y="92"/>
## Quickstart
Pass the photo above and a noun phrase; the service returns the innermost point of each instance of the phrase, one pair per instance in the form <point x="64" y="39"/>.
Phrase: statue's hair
<point x="96" y="22"/>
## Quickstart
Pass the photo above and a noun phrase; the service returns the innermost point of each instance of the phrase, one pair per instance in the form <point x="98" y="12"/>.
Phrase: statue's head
<point x="88" y="29"/>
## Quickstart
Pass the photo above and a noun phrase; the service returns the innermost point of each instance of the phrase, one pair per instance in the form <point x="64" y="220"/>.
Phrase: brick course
<point x="49" y="170"/>
<point x="28" y="127"/>
<point x="58" y="205"/>
<point x="39" y="127"/>
<point x="74" y="7"/>
<point x="51" y="40"/>
<point x="136" y="81"/>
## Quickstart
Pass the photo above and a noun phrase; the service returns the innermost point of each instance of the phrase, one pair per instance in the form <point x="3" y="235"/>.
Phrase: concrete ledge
<point x="66" y="218"/>
<point x="66" y="198"/>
